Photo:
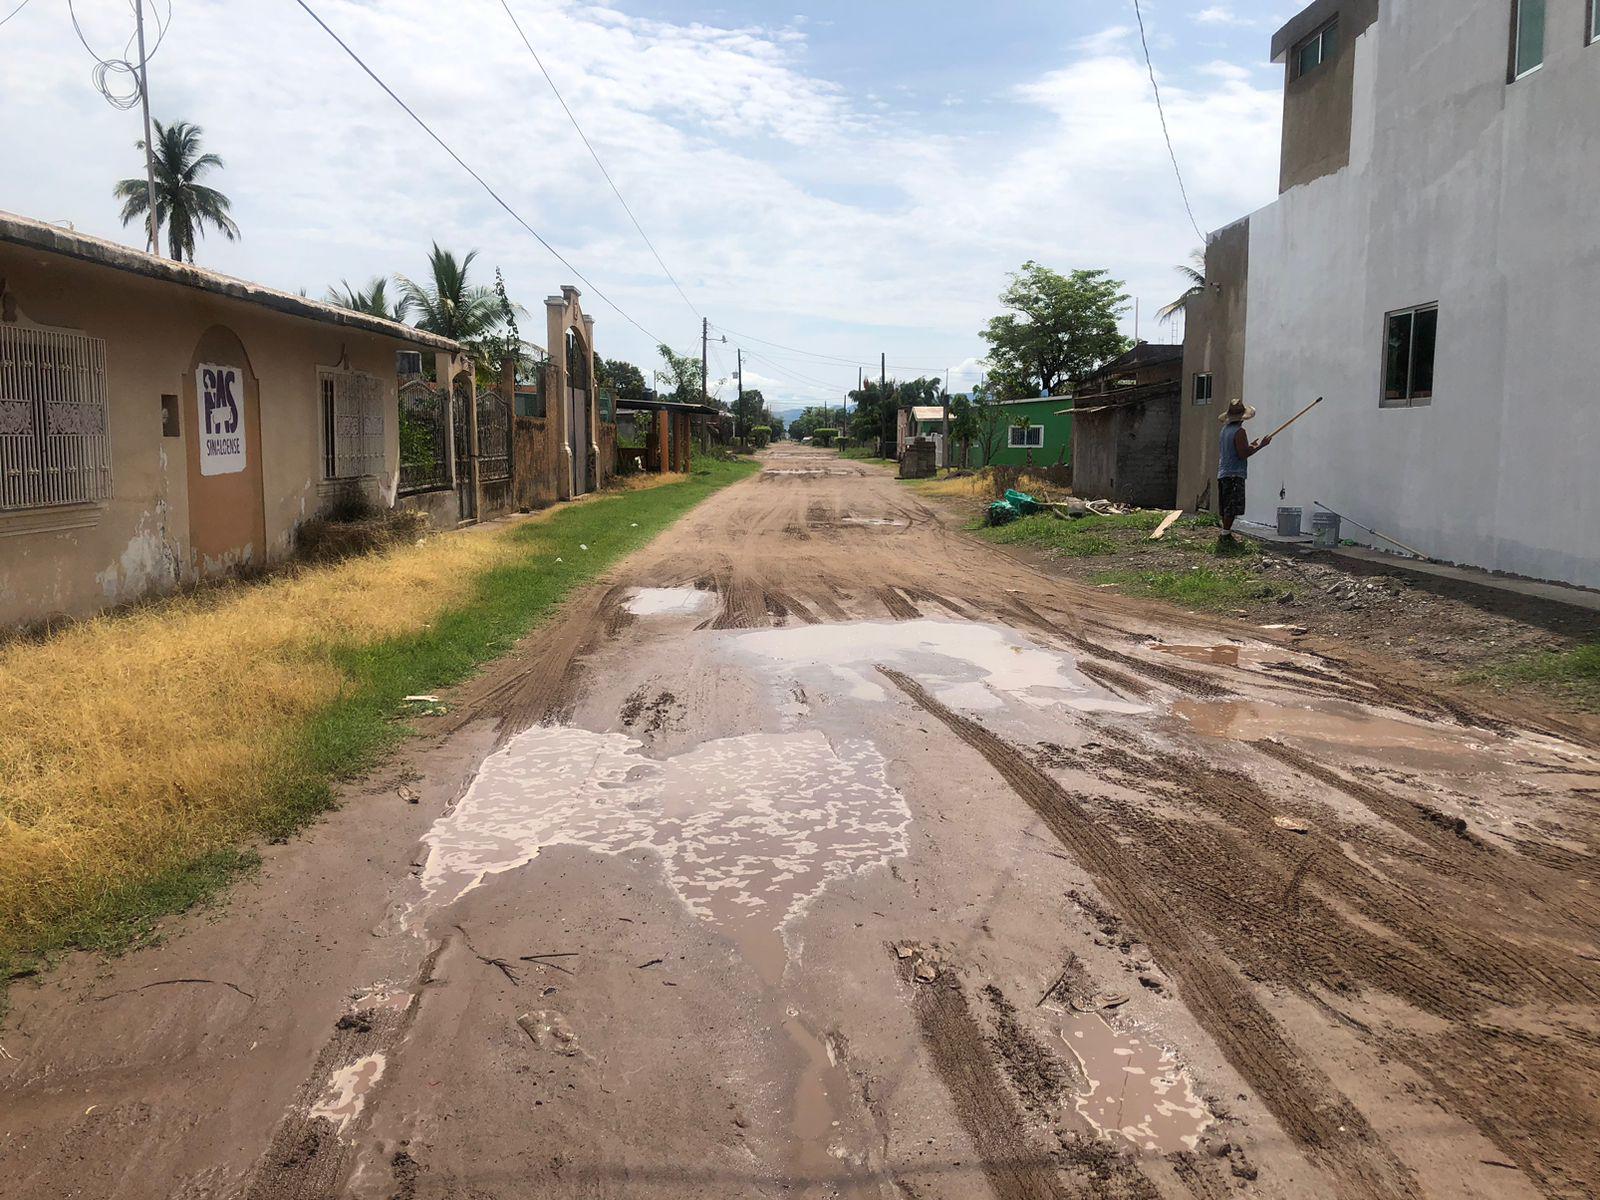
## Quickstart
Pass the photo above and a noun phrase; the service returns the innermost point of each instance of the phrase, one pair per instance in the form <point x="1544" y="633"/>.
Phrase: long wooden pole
<point x="1295" y="418"/>
<point x="1374" y="532"/>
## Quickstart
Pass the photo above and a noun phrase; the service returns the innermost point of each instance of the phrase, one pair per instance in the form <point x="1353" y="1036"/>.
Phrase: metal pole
<point x="705" y="329"/>
<point x="738" y="414"/>
<point x="945" y="433"/>
<point x="149" y="148"/>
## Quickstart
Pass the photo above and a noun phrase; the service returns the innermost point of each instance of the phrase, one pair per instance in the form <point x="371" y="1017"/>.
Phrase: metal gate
<point x="461" y="420"/>
<point x="494" y="451"/>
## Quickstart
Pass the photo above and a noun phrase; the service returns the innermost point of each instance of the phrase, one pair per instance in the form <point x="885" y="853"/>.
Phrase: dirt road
<point x="820" y="850"/>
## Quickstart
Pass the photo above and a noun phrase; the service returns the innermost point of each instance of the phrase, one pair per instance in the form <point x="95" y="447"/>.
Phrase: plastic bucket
<point x="1325" y="530"/>
<point x="1288" y="522"/>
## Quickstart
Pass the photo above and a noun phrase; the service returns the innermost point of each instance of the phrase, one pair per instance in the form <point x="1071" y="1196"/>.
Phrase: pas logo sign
<point x="220" y="391"/>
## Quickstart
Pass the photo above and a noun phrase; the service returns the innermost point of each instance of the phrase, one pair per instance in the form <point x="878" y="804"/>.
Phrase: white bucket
<point x="1325" y="530"/>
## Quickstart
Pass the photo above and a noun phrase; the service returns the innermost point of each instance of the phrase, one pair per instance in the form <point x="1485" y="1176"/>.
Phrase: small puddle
<point x="965" y="664"/>
<point x="668" y="601"/>
<point x="749" y="829"/>
<point x="1137" y="1088"/>
<point x="1220" y="656"/>
<point x="1339" y="723"/>
<point x="348" y="1088"/>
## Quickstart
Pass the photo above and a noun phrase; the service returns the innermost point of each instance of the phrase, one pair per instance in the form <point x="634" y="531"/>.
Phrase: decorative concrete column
<point x="594" y="399"/>
<point x="555" y="404"/>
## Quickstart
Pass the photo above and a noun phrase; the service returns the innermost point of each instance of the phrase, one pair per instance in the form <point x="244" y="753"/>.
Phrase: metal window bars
<point x="54" y="444"/>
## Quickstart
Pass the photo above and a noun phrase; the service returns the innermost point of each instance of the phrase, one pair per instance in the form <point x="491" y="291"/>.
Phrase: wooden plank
<point x="1167" y="523"/>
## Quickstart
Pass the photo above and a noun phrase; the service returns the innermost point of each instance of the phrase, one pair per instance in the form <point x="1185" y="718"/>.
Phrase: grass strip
<point x="138" y="762"/>
<point x="1097" y="536"/>
<point x="1572" y="674"/>
<point x="1200" y="586"/>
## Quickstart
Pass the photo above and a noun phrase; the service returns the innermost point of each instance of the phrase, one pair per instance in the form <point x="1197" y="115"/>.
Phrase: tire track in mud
<point x="1329" y="1130"/>
<point x="899" y="607"/>
<point x="1191" y="682"/>
<point x="1014" y="1168"/>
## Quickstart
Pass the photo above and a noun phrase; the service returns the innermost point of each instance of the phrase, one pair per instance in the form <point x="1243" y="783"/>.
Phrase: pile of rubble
<point x="1336" y="586"/>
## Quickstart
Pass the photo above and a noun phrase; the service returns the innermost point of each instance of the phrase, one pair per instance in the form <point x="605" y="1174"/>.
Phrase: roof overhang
<point x="668" y="406"/>
<point x="37" y="235"/>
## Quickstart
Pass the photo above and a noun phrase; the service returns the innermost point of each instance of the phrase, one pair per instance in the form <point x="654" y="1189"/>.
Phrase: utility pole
<point x="738" y="414"/>
<point x="945" y="445"/>
<point x="883" y="399"/>
<point x="149" y="149"/>
<point x="705" y="332"/>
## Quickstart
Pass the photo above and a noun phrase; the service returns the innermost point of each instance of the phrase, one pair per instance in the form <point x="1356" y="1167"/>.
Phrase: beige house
<point x="161" y="424"/>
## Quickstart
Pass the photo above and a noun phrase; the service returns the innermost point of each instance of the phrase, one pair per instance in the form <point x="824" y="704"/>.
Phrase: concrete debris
<point x="1292" y="824"/>
<point x="549" y="1029"/>
<point x="1106" y="1001"/>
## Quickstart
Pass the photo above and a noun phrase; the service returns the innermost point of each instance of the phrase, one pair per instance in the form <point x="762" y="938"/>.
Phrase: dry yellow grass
<point x="146" y="738"/>
<point x="980" y="485"/>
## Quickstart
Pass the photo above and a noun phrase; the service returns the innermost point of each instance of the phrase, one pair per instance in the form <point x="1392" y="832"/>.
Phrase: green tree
<point x="624" y="379"/>
<point x="1060" y="327"/>
<point x="682" y="374"/>
<point x="1194" y="274"/>
<point x="448" y="304"/>
<point x="183" y="204"/>
<point x="372" y="299"/>
<point x="989" y="422"/>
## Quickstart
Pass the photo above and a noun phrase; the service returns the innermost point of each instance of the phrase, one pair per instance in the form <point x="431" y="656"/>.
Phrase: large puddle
<point x="965" y="664"/>
<point x="1137" y="1088"/>
<point x="668" y="601"/>
<point x="749" y="829"/>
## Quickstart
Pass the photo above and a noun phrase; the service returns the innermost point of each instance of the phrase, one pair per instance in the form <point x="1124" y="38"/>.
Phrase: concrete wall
<point x="1129" y="452"/>
<point x="74" y="561"/>
<point x="1317" y="106"/>
<point x="1213" y="342"/>
<point x="1479" y="195"/>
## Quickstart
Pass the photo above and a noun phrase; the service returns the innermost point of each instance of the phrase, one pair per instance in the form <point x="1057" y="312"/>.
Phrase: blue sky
<point x="840" y="178"/>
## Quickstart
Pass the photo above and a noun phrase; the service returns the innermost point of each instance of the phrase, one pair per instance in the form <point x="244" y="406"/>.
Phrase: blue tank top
<point x="1229" y="464"/>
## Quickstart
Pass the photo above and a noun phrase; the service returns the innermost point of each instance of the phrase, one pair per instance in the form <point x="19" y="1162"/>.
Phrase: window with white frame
<point x="1202" y="387"/>
<point x="54" y="447"/>
<point x="1410" y="336"/>
<point x="1316" y="49"/>
<point x="1527" y="37"/>
<point x="1027" y="437"/>
<point x="352" y="424"/>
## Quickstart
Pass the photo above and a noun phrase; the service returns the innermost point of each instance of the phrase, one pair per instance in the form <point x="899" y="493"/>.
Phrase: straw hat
<point x="1238" y="410"/>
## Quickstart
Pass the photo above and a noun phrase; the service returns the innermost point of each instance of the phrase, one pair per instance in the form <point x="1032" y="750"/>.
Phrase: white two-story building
<point x="1431" y="267"/>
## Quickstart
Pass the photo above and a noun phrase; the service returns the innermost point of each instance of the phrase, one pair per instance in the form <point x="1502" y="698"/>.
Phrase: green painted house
<point x="1037" y="433"/>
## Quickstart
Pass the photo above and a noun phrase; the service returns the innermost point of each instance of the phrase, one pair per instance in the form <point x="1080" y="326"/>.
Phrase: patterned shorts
<point x="1230" y="497"/>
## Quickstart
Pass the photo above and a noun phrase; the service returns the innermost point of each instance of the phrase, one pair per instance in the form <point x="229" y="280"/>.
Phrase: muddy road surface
<point x="820" y="850"/>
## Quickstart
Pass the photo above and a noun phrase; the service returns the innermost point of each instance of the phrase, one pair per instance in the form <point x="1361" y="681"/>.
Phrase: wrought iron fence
<point x="424" y="437"/>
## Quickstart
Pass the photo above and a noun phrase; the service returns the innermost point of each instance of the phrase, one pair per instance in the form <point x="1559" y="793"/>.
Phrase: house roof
<point x="927" y="412"/>
<point x="1166" y="389"/>
<point x="1145" y="354"/>
<point x="37" y="235"/>
<point x="668" y="406"/>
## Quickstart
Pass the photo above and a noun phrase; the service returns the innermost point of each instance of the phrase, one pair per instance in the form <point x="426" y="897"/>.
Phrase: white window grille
<point x="54" y="447"/>
<point x="1026" y="437"/>
<point x="352" y="424"/>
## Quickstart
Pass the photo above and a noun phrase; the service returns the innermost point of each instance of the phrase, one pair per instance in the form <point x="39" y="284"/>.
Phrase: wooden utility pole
<point x="738" y="414"/>
<point x="705" y="332"/>
<point x="946" y="430"/>
<point x="883" y="399"/>
<point x="149" y="147"/>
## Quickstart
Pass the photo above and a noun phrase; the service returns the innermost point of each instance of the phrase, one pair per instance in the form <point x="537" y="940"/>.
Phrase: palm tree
<point x="372" y="300"/>
<point x="1194" y="271"/>
<point x="184" y="206"/>
<point x="447" y="304"/>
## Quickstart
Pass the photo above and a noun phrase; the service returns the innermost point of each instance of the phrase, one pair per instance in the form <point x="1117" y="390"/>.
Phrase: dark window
<point x="1202" y="388"/>
<point x="1316" y="49"/>
<point x="330" y="458"/>
<point x="1527" y="37"/>
<point x="171" y="424"/>
<point x="1409" y="340"/>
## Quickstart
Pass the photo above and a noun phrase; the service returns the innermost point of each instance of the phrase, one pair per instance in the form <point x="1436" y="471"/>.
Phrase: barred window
<point x="54" y="448"/>
<point x="352" y="424"/>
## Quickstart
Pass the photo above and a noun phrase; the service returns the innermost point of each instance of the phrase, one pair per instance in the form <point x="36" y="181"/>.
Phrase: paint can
<point x="1324" y="530"/>
<point x="1288" y="522"/>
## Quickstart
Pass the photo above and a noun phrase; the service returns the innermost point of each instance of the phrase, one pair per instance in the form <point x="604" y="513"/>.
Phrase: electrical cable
<point x="15" y="11"/>
<point x="870" y="363"/>
<point x="811" y="380"/>
<point x="595" y="155"/>
<point x="120" y="96"/>
<point x="1165" y="132"/>
<point x="462" y="163"/>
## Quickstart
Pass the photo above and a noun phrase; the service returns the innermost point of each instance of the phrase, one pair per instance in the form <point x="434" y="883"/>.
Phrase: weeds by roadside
<point x="140" y="754"/>
<point x="1097" y="536"/>
<point x="1573" y="674"/>
<point x="1201" y="586"/>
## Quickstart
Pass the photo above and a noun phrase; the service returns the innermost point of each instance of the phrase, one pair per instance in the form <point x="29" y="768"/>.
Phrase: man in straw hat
<point x="1233" y="463"/>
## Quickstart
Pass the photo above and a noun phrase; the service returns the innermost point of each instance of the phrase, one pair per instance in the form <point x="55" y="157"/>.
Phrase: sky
<point x="827" y="182"/>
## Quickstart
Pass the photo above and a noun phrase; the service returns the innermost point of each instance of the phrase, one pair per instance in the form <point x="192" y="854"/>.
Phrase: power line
<point x="1165" y="132"/>
<point x="829" y="358"/>
<point x="594" y="155"/>
<point x="811" y="380"/>
<point x="461" y="162"/>
<point x="15" y="11"/>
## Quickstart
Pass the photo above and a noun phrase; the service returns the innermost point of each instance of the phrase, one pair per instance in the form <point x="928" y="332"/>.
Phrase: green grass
<point x="352" y="734"/>
<point x="1200" y="586"/>
<point x="1100" y="537"/>
<point x="866" y="454"/>
<point x="1571" y="674"/>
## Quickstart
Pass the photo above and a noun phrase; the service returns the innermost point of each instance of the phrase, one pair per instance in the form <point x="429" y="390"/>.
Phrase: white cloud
<point x="1221" y="14"/>
<point x="786" y="206"/>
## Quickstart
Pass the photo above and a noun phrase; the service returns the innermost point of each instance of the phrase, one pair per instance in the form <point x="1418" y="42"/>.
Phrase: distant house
<point x="1431" y="267"/>
<point x="161" y="423"/>
<point x="1125" y="441"/>
<point x="1035" y="432"/>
